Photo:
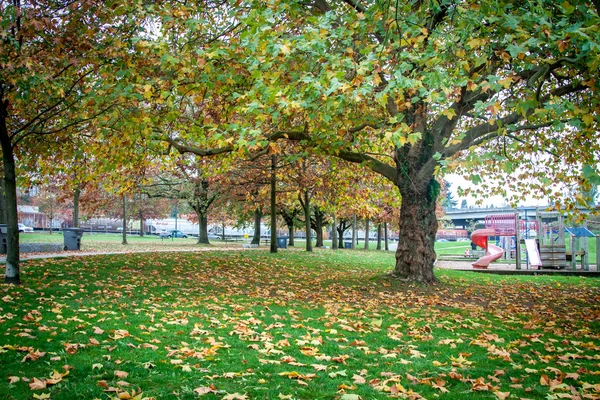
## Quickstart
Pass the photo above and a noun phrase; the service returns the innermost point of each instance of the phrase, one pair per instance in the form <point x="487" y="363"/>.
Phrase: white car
<point x="25" y="228"/>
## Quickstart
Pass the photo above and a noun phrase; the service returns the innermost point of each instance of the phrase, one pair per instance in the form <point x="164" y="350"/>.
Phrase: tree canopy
<point x="491" y="89"/>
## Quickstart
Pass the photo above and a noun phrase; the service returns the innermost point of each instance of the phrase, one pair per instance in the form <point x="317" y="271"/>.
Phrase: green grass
<point x="292" y="324"/>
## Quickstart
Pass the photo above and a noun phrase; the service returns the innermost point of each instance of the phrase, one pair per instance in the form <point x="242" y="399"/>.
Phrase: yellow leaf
<point x="376" y="79"/>
<point x="285" y="49"/>
<point x="588" y="119"/>
<point x="41" y="396"/>
<point x="449" y="113"/>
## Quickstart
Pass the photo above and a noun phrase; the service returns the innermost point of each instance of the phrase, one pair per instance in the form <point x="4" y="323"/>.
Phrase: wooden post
<point x="585" y="263"/>
<point x="573" y="251"/>
<point x="517" y="241"/>
<point x="598" y="253"/>
<point x="561" y="230"/>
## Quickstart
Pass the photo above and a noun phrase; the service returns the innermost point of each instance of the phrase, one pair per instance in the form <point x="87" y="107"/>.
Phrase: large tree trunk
<point x="11" y="275"/>
<point x="76" y="195"/>
<point x="257" y="219"/>
<point x="2" y="203"/>
<point x="418" y="225"/>
<point x="124" y="220"/>
<point x="334" y="243"/>
<point x="379" y="236"/>
<point x="202" y="228"/>
<point x="273" y="248"/>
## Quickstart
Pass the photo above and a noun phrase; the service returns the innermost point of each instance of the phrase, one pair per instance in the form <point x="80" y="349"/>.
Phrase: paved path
<point x="64" y="254"/>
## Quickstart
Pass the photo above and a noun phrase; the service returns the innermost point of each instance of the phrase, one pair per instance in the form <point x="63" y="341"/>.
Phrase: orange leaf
<point x="37" y="384"/>
<point x="121" y="374"/>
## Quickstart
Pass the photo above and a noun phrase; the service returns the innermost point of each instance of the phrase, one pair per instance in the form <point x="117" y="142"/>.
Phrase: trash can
<point x="72" y="238"/>
<point x="282" y="242"/>
<point x="3" y="238"/>
<point x="347" y="245"/>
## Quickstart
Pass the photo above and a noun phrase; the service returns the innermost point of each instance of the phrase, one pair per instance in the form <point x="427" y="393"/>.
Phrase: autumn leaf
<point x="202" y="390"/>
<point x="37" y="384"/>
<point x="502" y="395"/>
<point x="121" y="374"/>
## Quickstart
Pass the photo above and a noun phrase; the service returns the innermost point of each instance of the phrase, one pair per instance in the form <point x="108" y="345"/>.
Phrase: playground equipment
<point x="544" y="240"/>
<point x="553" y="248"/>
<point x="506" y="225"/>
<point x="492" y="252"/>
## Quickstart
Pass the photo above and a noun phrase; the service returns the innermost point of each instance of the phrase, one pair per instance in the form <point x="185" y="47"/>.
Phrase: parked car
<point x="172" y="233"/>
<point x="25" y="228"/>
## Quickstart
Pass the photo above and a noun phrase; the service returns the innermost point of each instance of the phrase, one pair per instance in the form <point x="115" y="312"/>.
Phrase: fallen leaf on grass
<point x="502" y="395"/>
<point x="121" y="374"/>
<point x="41" y="396"/>
<point x="235" y="396"/>
<point x="202" y="390"/>
<point x="37" y="384"/>
<point x="348" y="396"/>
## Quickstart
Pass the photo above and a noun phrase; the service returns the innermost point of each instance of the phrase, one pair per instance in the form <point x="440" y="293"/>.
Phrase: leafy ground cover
<point x="252" y="325"/>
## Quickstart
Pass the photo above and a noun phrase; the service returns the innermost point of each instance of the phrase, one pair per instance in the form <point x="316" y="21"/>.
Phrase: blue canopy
<point x="580" y="232"/>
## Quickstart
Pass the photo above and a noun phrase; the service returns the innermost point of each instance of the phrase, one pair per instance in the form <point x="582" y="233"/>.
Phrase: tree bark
<point x="2" y="203"/>
<point x="341" y="229"/>
<point x="334" y="243"/>
<point x="291" y="235"/>
<point x="354" y="235"/>
<point x="289" y="217"/>
<point x="76" y="196"/>
<point x="273" y="248"/>
<point x="385" y="234"/>
<point x="200" y="202"/>
<point x="203" y="228"/>
<point x="379" y="236"/>
<point x="11" y="275"/>
<point x="307" y="221"/>
<point x="257" y="219"/>
<point x="367" y="228"/>
<point x="418" y="225"/>
<point x="142" y="227"/>
<point x="317" y="225"/>
<point x="124" y="220"/>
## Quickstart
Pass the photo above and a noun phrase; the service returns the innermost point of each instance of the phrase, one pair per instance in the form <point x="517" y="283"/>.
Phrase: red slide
<point x="492" y="253"/>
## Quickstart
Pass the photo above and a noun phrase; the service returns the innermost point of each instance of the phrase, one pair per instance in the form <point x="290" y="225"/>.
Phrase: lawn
<point x="112" y="242"/>
<point x="328" y="325"/>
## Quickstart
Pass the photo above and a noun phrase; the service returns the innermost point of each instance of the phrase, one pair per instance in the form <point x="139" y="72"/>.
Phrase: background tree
<point x="52" y="57"/>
